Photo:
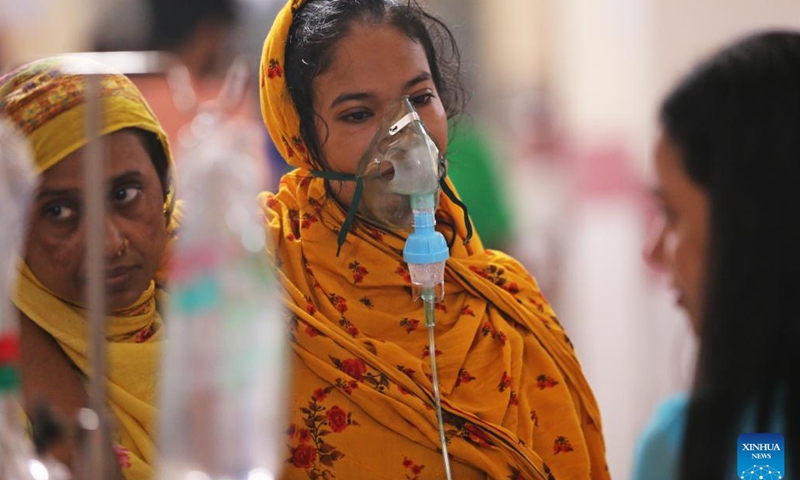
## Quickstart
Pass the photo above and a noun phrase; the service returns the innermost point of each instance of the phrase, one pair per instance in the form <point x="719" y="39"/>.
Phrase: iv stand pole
<point x="94" y="464"/>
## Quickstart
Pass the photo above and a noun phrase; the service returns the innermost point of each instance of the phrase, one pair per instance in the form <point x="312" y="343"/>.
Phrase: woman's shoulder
<point x="658" y="451"/>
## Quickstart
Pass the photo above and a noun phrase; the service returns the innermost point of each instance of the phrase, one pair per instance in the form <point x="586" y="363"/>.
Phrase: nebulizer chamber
<point x="224" y="377"/>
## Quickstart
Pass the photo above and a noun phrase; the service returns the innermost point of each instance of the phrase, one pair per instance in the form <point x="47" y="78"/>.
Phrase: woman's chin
<point x="124" y="298"/>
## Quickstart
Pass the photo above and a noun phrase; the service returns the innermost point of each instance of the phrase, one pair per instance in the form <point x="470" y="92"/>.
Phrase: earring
<point x="123" y="248"/>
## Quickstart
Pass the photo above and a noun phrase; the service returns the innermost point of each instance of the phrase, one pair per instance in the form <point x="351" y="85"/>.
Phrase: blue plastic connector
<point x="425" y="244"/>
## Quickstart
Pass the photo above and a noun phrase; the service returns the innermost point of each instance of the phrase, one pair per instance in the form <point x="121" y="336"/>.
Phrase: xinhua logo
<point x="760" y="456"/>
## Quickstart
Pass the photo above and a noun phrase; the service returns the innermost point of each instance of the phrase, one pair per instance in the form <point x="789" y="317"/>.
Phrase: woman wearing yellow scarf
<point x="516" y="404"/>
<point x="46" y="102"/>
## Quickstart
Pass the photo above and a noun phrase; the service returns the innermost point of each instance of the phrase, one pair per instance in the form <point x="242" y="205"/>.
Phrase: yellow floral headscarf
<point x="46" y="102"/>
<point x="516" y="404"/>
<point x="277" y="108"/>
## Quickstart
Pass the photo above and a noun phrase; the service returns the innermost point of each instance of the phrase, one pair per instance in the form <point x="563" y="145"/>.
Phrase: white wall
<point x="36" y="28"/>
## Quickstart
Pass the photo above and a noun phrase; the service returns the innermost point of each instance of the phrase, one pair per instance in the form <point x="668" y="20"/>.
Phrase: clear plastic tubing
<point x="428" y="300"/>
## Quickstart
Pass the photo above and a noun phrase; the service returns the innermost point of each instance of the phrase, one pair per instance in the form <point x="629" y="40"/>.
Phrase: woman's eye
<point x="59" y="212"/>
<point x="356" y="117"/>
<point x="422" y="100"/>
<point x="668" y="214"/>
<point x="126" y="195"/>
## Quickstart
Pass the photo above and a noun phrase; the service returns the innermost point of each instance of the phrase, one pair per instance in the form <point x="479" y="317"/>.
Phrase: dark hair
<point x="155" y="150"/>
<point x="735" y="121"/>
<point x="320" y="24"/>
<point x="174" y="21"/>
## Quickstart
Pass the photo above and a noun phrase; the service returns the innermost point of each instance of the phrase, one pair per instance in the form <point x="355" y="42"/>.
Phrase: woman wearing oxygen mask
<point x="348" y="88"/>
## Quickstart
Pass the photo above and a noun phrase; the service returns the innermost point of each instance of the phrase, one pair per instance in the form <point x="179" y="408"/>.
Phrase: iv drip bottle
<point x="222" y="388"/>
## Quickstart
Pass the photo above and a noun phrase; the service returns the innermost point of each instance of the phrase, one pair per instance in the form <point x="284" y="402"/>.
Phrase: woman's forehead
<point x="373" y="56"/>
<point x="124" y="153"/>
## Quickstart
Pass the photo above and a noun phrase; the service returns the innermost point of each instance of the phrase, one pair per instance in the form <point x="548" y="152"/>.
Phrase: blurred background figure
<point x="200" y="35"/>
<point x="564" y="92"/>
<point x="201" y="46"/>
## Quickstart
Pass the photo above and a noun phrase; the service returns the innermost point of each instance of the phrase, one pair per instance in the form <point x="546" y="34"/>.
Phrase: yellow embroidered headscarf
<point x="46" y="101"/>
<point x="516" y="404"/>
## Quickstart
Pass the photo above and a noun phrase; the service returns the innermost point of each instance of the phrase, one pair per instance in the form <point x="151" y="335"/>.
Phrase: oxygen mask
<point x="401" y="167"/>
<point x="400" y="173"/>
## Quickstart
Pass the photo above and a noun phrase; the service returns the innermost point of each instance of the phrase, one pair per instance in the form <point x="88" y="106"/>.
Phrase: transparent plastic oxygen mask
<point x="400" y="173"/>
<point x="401" y="165"/>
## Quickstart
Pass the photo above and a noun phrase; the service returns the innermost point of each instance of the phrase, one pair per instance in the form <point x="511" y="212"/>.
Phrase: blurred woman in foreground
<point x="726" y="167"/>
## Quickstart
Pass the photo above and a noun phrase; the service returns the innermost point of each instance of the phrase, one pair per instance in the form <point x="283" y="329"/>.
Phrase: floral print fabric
<point x="516" y="403"/>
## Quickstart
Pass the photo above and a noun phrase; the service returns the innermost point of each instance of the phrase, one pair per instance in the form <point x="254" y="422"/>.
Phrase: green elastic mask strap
<point x="452" y="196"/>
<point x="351" y="212"/>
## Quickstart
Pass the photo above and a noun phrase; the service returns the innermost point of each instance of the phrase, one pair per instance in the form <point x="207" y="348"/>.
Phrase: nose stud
<point x="123" y="248"/>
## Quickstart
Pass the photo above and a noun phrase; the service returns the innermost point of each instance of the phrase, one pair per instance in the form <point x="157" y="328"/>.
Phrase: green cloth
<point x="476" y="173"/>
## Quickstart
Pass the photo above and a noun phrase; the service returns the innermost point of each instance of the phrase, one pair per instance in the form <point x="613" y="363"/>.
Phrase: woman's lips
<point x="118" y="276"/>
<point x="388" y="172"/>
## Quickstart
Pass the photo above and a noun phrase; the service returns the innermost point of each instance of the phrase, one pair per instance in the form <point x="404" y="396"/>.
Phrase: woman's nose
<point x="116" y="244"/>
<point x="653" y="250"/>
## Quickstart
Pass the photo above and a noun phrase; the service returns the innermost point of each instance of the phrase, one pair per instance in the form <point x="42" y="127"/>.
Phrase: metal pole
<point x="97" y="444"/>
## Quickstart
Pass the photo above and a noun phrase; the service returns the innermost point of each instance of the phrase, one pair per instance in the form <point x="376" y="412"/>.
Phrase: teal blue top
<point x="658" y="453"/>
